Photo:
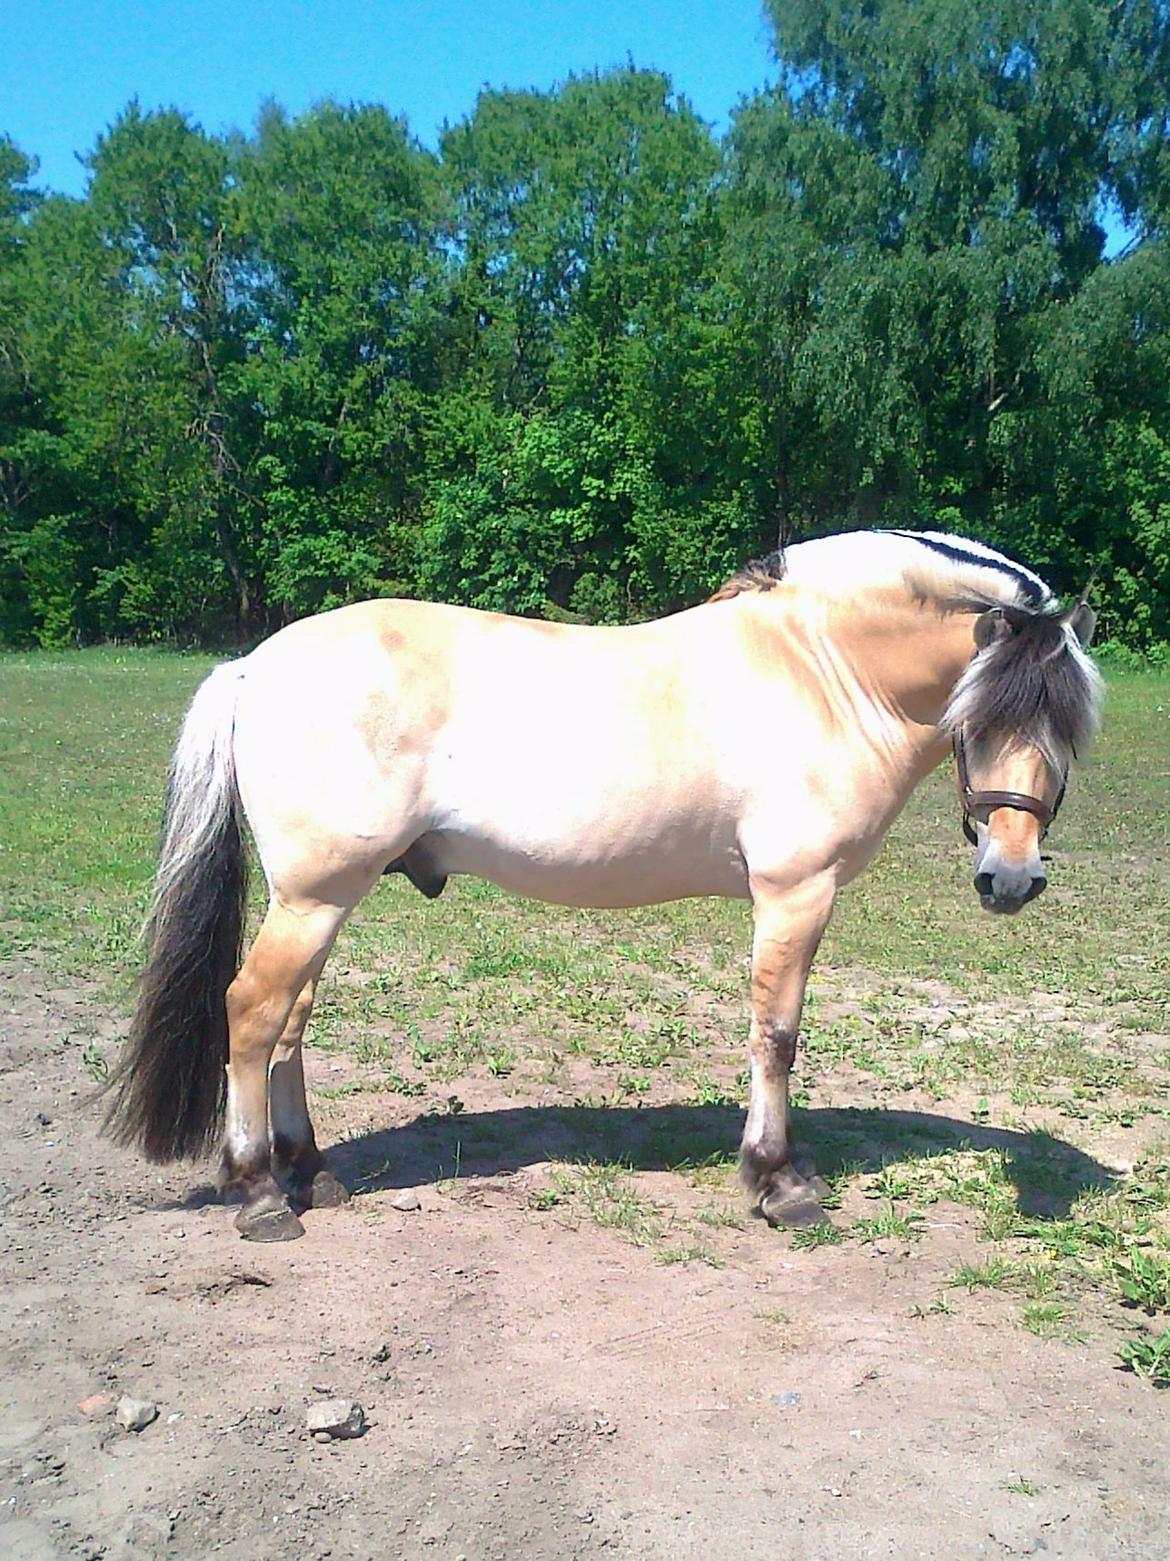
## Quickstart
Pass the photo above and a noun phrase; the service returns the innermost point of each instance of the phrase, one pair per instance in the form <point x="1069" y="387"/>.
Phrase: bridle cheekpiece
<point x="979" y="805"/>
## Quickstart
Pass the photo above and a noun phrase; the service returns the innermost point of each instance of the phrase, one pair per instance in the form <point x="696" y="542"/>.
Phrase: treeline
<point x="588" y="357"/>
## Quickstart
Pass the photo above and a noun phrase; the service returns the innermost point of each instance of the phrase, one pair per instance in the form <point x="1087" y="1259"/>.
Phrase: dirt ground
<point x="534" y="1387"/>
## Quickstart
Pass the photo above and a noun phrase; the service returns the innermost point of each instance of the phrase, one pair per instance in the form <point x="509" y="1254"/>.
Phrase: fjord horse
<point x="757" y="746"/>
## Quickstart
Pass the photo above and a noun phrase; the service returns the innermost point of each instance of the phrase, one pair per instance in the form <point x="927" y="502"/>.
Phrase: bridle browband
<point x="979" y="805"/>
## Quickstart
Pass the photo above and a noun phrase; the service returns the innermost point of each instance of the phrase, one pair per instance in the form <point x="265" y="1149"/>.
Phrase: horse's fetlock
<point x="300" y="1156"/>
<point x="759" y="1163"/>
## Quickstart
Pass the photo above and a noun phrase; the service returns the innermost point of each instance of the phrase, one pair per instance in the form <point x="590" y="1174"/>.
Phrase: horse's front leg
<point x="789" y="922"/>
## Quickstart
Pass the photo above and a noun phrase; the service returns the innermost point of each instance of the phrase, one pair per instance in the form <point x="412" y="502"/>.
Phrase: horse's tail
<point x="169" y="1084"/>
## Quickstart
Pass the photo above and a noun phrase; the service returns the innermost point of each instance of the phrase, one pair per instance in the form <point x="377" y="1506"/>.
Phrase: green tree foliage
<point x="917" y="232"/>
<point x="586" y="358"/>
<point x="597" y="472"/>
<point x="342" y="310"/>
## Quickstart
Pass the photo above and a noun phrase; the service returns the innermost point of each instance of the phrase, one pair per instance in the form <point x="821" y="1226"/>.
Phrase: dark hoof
<point x="326" y="1192"/>
<point x="793" y="1211"/>
<point x="269" y="1225"/>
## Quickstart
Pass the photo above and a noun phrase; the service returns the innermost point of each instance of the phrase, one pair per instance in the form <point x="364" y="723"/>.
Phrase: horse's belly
<point x="663" y="869"/>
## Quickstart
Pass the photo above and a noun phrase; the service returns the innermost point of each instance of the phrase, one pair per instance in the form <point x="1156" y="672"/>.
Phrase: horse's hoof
<point x="806" y="1173"/>
<point x="269" y="1225"/>
<point x="793" y="1211"/>
<point x="326" y="1192"/>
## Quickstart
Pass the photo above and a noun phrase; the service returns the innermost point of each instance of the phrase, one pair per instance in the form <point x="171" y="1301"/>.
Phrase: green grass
<point x="1149" y="1358"/>
<point x="955" y="1069"/>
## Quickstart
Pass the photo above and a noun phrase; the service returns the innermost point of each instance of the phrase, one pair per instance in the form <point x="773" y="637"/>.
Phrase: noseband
<point x="978" y="805"/>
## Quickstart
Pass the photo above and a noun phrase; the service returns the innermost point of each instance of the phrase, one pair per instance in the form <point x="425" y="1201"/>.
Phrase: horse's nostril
<point x="1038" y="887"/>
<point x="983" y="883"/>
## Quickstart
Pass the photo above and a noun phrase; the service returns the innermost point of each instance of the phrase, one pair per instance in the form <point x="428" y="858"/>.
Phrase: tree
<point x="344" y="285"/>
<point x="914" y="209"/>
<point x="583" y="438"/>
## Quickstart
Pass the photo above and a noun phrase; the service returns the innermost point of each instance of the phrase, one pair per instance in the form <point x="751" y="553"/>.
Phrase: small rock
<point x="44" y="1119"/>
<point x="786" y="1400"/>
<point x="135" y="1414"/>
<point x="407" y="1202"/>
<point x="95" y="1404"/>
<point x="336" y="1417"/>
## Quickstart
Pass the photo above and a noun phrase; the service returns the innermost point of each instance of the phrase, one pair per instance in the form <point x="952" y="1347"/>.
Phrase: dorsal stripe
<point x="1034" y="592"/>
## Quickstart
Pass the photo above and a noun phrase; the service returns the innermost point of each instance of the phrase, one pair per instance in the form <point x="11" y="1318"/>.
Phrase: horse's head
<point x="1023" y="710"/>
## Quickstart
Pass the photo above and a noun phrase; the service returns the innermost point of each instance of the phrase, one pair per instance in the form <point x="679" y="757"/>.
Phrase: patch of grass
<point x="400" y="1085"/>
<point x="1050" y="1320"/>
<point x="448" y="1185"/>
<point x="1022" y="1487"/>
<point x="891" y="1224"/>
<point x="725" y="1216"/>
<point x="690" y="1252"/>
<point x="774" y="1316"/>
<point x="607" y="1195"/>
<point x="94" y="1062"/>
<point x="712" y="1170"/>
<point x="994" y="1274"/>
<point x="940" y="1306"/>
<point x="817" y="1236"/>
<point x="1142" y="1277"/>
<point x="1149" y="1358"/>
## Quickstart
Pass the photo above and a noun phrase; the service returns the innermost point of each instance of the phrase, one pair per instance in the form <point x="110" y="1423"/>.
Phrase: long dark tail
<point x="169" y="1084"/>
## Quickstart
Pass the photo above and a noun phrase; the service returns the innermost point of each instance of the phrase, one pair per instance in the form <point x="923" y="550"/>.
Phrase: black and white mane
<point x="1031" y="680"/>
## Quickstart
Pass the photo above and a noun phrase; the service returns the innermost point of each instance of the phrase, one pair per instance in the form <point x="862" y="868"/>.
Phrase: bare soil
<point x="536" y="1386"/>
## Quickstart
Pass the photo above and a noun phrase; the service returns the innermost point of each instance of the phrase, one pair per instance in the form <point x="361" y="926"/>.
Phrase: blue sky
<point x="68" y="66"/>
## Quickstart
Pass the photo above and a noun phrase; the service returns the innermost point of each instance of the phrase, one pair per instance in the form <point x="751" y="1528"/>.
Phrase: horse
<point x="758" y="745"/>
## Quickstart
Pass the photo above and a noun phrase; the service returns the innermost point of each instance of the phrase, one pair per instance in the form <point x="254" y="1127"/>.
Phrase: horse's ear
<point x="1083" y="621"/>
<point x="991" y="627"/>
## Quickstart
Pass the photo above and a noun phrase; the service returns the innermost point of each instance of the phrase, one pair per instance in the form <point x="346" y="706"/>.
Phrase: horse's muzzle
<point x="1005" y="892"/>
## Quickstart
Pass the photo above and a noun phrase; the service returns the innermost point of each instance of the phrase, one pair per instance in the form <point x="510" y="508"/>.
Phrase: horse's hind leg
<point x="294" y="1145"/>
<point x="788" y="927"/>
<point x="290" y="949"/>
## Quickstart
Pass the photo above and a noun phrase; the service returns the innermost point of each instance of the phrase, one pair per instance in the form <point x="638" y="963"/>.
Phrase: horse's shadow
<point x="1047" y="1173"/>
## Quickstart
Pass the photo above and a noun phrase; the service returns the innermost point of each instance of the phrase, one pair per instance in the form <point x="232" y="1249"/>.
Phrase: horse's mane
<point x="952" y="570"/>
<point x="759" y="574"/>
<point x="1033" y="681"/>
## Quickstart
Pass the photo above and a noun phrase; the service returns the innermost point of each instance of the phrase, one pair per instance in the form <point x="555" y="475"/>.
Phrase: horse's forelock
<point x="1035" y="684"/>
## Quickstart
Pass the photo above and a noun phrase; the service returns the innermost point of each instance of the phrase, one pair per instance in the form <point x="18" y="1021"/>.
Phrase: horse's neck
<point x="904" y="659"/>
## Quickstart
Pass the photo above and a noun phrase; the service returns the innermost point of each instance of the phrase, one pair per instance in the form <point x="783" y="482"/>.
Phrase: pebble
<point x="135" y="1414"/>
<point x="407" y="1202"/>
<point x="335" y="1417"/>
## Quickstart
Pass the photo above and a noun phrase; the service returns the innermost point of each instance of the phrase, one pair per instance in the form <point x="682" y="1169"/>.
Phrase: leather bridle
<point x="979" y="805"/>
